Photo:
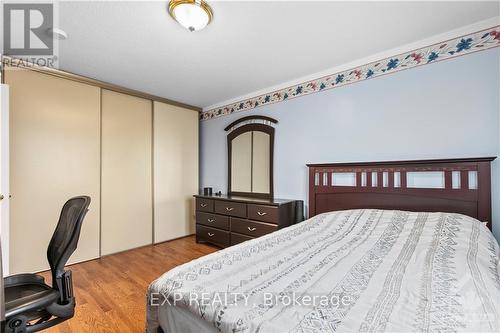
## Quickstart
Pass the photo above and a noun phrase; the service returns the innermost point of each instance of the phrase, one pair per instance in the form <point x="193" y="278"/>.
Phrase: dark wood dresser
<point x="229" y="220"/>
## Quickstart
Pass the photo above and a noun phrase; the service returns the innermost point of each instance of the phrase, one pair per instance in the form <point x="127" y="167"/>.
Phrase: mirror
<point x="250" y="159"/>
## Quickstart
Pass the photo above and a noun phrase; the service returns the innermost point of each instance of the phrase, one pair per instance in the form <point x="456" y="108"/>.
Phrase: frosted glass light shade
<point x="192" y="15"/>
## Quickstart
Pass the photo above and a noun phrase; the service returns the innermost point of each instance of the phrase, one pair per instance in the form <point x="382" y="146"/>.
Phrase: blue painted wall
<point x="442" y="110"/>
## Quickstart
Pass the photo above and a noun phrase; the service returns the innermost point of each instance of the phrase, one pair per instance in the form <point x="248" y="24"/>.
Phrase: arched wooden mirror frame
<point x="251" y="124"/>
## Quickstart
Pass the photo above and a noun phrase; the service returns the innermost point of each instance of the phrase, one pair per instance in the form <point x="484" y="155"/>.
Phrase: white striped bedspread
<point x="347" y="271"/>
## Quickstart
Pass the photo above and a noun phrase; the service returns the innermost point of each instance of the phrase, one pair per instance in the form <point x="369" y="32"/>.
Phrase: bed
<point x="380" y="253"/>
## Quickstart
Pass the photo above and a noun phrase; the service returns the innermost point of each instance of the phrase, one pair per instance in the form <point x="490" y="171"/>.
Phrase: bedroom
<point x="327" y="164"/>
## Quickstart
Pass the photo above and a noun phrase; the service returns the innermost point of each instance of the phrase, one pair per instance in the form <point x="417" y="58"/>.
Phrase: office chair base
<point x="53" y="315"/>
<point x="19" y="324"/>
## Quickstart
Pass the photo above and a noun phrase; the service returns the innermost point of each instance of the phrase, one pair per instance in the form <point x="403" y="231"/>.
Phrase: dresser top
<point x="273" y="202"/>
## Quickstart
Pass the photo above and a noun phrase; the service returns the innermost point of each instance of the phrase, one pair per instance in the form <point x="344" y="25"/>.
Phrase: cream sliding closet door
<point x="175" y="170"/>
<point x="54" y="155"/>
<point x="126" y="206"/>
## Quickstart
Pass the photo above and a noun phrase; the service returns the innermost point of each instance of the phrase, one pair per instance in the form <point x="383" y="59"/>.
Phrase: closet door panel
<point x="175" y="170"/>
<point x="126" y="217"/>
<point x="54" y="155"/>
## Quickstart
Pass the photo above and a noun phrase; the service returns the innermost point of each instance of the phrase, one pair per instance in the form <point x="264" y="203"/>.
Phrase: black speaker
<point x="207" y="191"/>
<point x="299" y="211"/>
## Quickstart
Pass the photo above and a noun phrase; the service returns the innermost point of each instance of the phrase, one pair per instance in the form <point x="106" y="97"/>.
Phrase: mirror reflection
<point x="250" y="154"/>
<point x="250" y="162"/>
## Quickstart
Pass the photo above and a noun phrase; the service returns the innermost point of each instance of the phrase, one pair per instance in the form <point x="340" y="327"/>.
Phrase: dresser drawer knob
<point x="211" y="220"/>
<point x="211" y="234"/>
<point x="228" y="209"/>
<point x="262" y="213"/>
<point x="251" y="229"/>
<point x="203" y="205"/>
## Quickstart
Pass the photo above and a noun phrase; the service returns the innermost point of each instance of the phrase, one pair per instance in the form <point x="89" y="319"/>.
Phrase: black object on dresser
<point x="229" y="220"/>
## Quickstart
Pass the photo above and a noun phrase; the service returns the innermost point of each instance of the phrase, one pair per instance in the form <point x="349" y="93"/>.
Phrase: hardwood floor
<point x="111" y="291"/>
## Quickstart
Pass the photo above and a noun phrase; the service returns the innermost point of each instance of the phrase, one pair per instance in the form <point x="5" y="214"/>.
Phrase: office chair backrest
<point x="65" y="237"/>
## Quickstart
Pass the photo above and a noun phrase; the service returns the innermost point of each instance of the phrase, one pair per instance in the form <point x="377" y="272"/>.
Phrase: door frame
<point x="4" y="177"/>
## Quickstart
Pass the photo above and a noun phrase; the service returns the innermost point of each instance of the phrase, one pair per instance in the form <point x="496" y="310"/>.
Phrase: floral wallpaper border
<point x="484" y="39"/>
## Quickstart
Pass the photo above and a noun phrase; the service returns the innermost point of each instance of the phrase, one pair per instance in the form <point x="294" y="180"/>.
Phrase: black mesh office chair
<point x="30" y="304"/>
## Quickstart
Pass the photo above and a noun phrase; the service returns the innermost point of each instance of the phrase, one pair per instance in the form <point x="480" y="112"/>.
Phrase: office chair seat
<point x="25" y="293"/>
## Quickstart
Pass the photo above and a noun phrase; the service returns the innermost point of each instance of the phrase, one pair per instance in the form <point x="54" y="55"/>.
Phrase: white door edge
<point x="4" y="176"/>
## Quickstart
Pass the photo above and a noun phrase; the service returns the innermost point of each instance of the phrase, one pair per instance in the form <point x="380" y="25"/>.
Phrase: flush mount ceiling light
<point x="193" y="15"/>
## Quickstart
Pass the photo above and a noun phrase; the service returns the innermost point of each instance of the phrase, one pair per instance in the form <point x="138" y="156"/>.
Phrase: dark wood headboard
<point x="446" y="185"/>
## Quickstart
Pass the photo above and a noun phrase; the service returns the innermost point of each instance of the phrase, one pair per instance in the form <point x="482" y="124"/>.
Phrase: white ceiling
<point x="248" y="46"/>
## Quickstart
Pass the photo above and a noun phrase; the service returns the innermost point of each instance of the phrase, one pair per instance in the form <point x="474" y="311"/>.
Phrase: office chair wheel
<point x="16" y="324"/>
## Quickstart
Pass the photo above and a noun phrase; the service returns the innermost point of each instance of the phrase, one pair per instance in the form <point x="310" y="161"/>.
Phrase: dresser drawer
<point x="212" y="235"/>
<point x="212" y="220"/>
<point x="252" y="228"/>
<point x="237" y="238"/>
<point x="263" y="213"/>
<point x="204" y="205"/>
<point x="231" y="208"/>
